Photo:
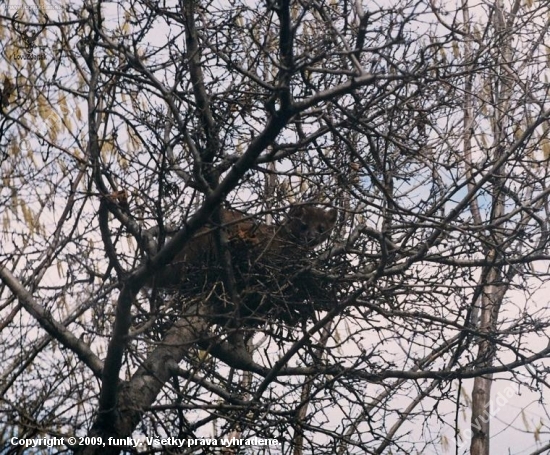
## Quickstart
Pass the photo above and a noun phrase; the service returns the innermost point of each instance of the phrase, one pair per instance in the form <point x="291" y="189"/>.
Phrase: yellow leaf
<point x="525" y="421"/>
<point x="444" y="443"/>
<point x="456" y="49"/>
<point x="536" y="433"/>
<point x="546" y="148"/>
<point x="202" y="355"/>
<point x="477" y="33"/>
<point x="108" y="145"/>
<point x="125" y="28"/>
<point x="14" y="149"/>
<point x="124" y="163"/>
<point x="64" y="107"/>
<point x="62" y="166"/>
<point x="44" y="109"/>
<point x="53" y="129"/>
<point x="60" y="269"/>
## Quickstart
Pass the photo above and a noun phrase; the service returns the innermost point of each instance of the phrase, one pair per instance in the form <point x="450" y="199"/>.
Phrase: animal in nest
<point x="269" y="264"/>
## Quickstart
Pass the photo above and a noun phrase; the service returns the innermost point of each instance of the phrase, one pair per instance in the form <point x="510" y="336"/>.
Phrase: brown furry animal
<point x="266" y="261"/>
<point x="305" y="228"/>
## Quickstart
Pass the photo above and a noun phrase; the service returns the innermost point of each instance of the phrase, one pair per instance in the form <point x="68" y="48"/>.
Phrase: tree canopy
<point x="130" y="129"/>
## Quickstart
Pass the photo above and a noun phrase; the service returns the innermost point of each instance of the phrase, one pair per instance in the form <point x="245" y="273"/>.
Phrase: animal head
<point x="309" y="226"/>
